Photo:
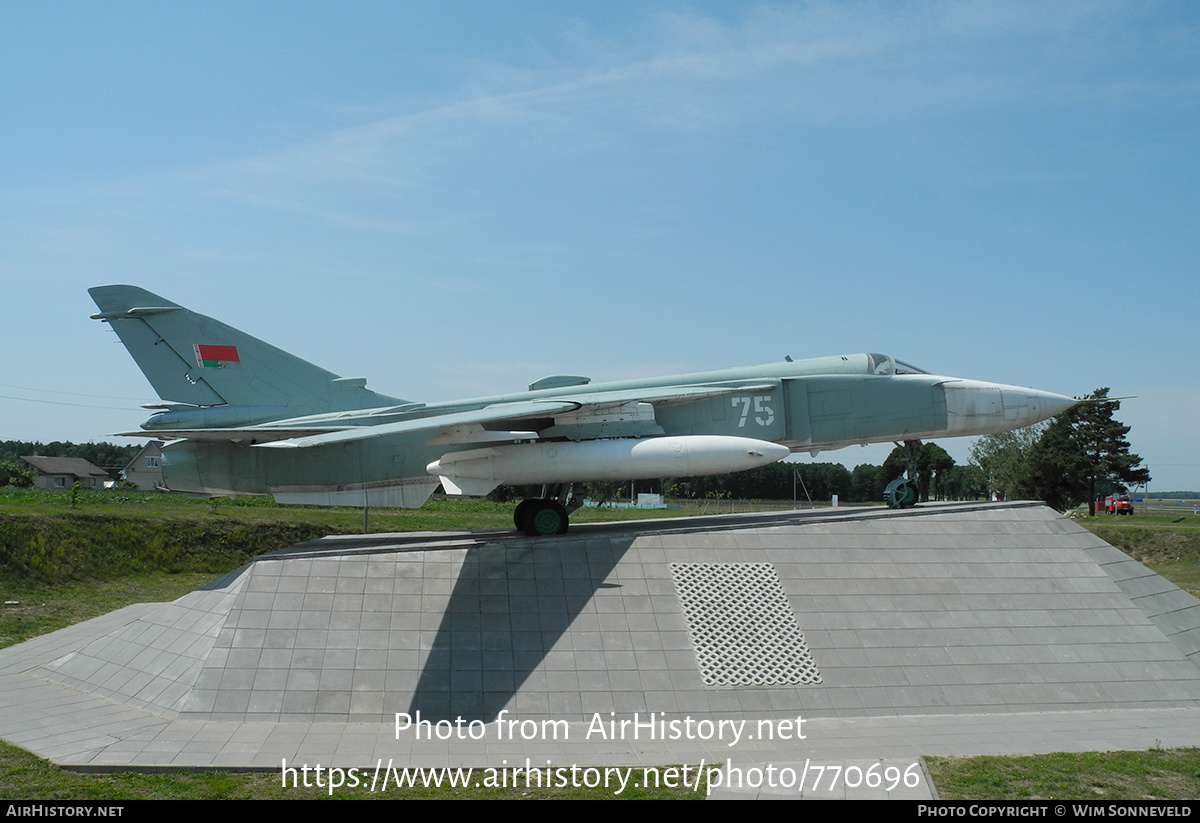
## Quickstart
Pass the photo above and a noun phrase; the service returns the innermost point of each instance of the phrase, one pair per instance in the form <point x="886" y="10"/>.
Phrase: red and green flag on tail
<point x="215" y="357"/>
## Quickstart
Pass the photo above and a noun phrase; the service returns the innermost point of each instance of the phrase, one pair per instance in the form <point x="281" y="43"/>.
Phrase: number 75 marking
<point x="764" y="415"/>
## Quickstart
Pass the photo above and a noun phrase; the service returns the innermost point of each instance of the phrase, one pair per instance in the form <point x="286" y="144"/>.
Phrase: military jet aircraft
<point x="244" y="417"/>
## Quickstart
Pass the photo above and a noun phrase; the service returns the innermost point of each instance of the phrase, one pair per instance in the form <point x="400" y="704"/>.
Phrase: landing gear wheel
<point x="900" y="493"/>
<point x="545" y="517"/>
<point x="521" y="513"/>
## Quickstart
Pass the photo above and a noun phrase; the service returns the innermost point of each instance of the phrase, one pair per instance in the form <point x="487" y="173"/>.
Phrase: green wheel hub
<point x="900" y="494"/>
<point x="546" y="521"/>
<point x="544" y="517"/>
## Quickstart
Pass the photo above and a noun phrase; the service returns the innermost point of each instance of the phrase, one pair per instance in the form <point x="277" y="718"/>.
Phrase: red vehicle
<point x="1116" y="504"/>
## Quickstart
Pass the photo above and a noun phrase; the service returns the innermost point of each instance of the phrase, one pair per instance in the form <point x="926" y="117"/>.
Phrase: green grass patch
<point x="28" y="777"/>
<point x="1157" y="774"/>
<point x="1166" y="543"/>
<point x="30" y="609"/>
<point x="44" y="540"/>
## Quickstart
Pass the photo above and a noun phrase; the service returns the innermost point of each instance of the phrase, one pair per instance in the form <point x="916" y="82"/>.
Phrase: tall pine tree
<point x="1082" y="450"/>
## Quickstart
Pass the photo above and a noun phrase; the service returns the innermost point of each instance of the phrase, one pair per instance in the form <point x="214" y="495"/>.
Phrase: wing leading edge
<point x="574" y="406"/>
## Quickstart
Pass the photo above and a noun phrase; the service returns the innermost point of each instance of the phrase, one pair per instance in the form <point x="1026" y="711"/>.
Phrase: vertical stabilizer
<point x="194" y="359"/>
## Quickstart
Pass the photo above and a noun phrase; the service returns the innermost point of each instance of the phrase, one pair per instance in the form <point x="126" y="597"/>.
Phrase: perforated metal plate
<point x="741" y="625"/>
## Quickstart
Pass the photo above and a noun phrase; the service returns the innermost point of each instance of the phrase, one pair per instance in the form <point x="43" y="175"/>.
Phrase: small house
<point x="63" y="472"/>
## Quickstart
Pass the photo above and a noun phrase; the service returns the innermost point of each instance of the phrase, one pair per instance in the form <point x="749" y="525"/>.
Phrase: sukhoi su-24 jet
<point x="243" y="417"/>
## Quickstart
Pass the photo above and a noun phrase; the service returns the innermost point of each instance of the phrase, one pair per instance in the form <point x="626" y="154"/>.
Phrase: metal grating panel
<point x="741" y="625"/>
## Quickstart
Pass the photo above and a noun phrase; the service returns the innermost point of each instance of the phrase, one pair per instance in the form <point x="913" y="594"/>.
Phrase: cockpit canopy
<point x="884" y="364"/>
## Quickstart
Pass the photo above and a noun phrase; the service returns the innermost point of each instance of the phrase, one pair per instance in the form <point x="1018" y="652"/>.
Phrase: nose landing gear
<point x="903" y="491"/>
<point x="900" y="493"/>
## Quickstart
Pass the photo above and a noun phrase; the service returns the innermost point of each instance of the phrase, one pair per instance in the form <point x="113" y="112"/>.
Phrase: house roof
<point x="75" y="466"/>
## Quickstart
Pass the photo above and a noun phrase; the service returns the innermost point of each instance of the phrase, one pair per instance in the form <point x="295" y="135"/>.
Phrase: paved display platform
<point x="947" y="629"/>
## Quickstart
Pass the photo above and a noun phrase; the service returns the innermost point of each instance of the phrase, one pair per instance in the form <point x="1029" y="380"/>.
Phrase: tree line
<point x="938" y="476"/>
<point x="14" y="472"/>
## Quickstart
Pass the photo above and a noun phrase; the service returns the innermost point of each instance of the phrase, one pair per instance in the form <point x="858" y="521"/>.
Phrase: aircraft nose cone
<point x="1046" y="404"/>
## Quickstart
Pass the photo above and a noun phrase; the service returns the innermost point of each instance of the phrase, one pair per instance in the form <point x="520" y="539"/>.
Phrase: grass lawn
<point x="1166" y="543"/>
<point x="1159" y="774"/>
<point x="28" y="777"/>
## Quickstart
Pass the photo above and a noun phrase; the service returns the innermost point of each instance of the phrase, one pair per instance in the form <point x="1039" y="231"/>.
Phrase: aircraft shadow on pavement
<point x="510" y="606"/>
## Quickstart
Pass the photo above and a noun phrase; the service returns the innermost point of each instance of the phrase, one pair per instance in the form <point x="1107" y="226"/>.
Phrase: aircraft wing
<point x="488" y="414"/>
<point x="661" y="395"/>
<point x="226" y="435"/>
<point x="515" y="412"/>
<point x="282" y="437"/>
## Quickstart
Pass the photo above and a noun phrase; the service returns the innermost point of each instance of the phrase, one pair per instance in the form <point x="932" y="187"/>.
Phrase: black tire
<point x="521" y="513"/>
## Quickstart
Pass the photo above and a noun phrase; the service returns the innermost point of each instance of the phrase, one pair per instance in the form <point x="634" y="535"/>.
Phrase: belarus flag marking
<point x="215" y="357"/>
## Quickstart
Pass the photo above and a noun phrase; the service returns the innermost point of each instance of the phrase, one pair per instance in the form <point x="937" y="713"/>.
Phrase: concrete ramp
<point x="844" y="615"/>
<point x="995" y="609"/>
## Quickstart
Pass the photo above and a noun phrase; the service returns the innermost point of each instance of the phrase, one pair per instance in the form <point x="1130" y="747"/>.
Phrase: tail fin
<point x="193" y="359"/>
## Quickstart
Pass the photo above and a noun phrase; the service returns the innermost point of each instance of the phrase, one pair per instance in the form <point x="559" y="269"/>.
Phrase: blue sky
<point x="456" y="198"/>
